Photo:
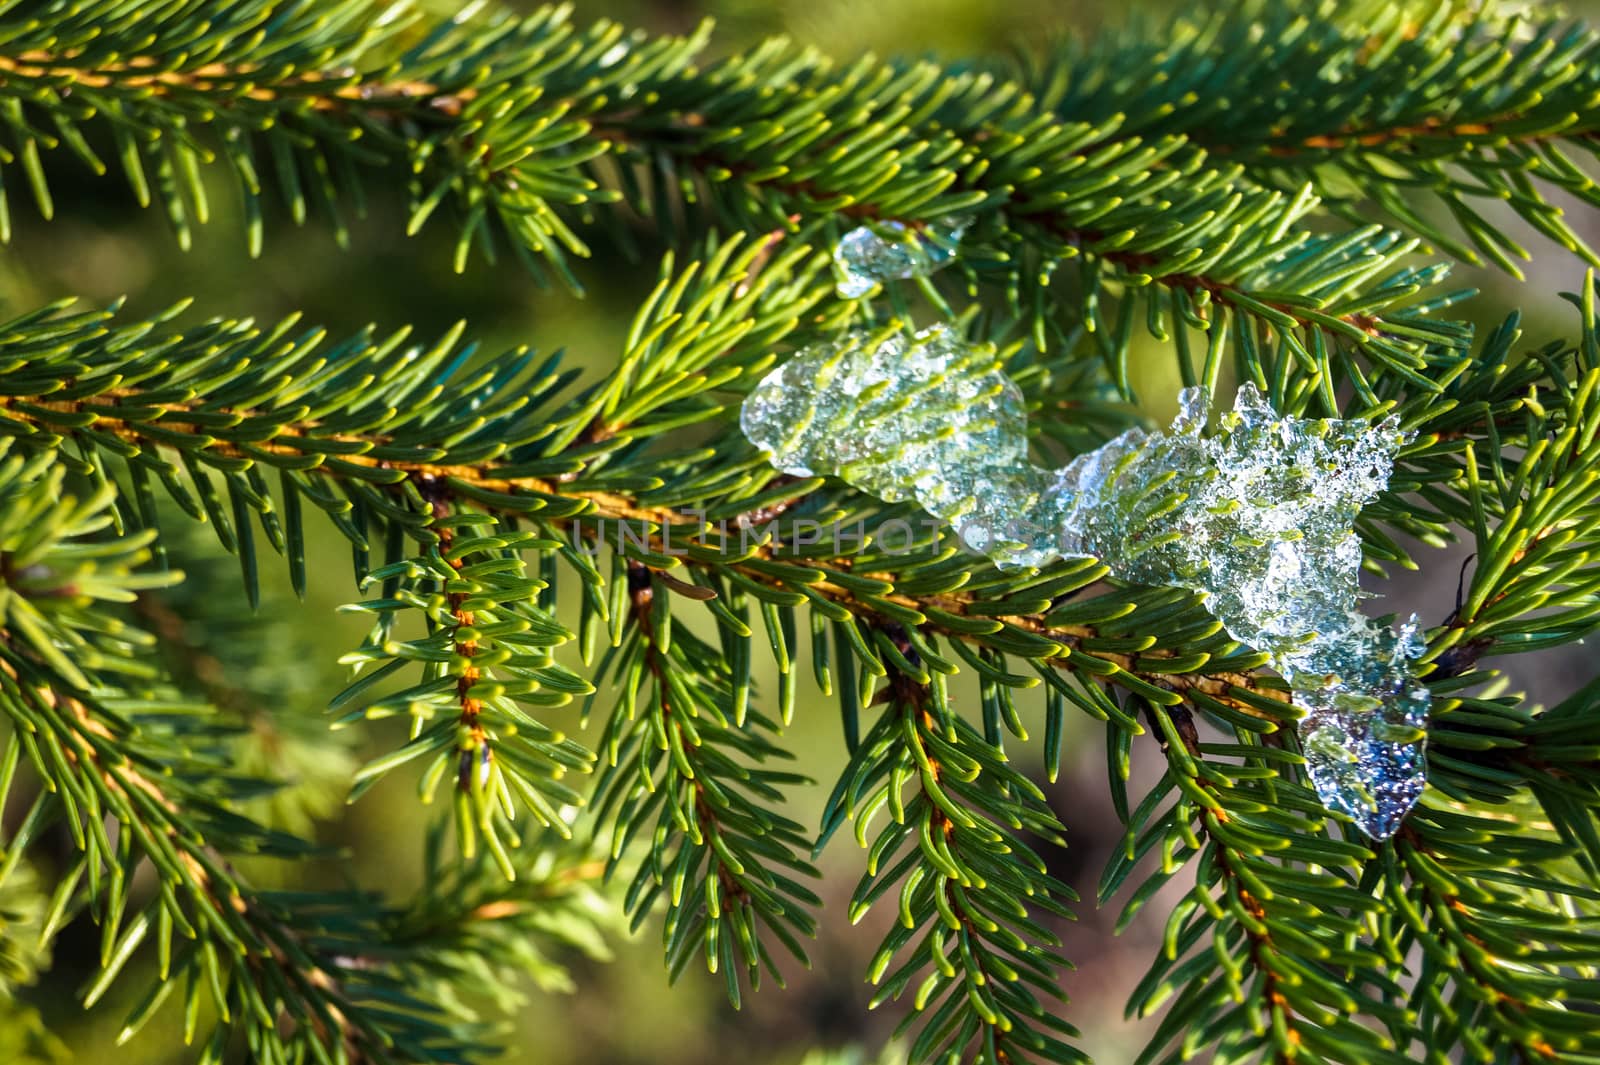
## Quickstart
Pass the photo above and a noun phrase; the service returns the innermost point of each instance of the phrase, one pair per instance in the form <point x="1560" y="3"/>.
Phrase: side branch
<point x="497" y="487"/>
<point x="223" y="902"/>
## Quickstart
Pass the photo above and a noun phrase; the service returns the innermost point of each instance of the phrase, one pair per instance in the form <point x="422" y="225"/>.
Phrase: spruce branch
<point x="1253" y="956"/>
<point x="1532" y="523"/>
<point x="969" y="884"/>
<point x="121" y="757"/>
<point x="315" y="420"/>
<point x="485" y="655"/>
<point x="1458" y="881"/>
<point x="1372" y="104"/>
<point x="685" y="750"/>
<point x="517" y="121"/>
<point x="1039" y="618"/>
<point x="295" y="971"/>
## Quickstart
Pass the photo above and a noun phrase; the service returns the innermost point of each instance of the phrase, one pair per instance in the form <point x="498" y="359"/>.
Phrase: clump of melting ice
<point x="888" y="251"/>
<point x="1258" y="515"/>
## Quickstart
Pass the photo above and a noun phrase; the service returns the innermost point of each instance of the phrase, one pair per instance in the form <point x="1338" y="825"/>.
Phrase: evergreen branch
<point x="1372" y="104"/>
<point x="489" y="437"/>
<point x="1460" y="881"/>
<point x="691" y="756"/>
<point x="138" y="762"/>
<point x="831" y="575"/>
<point x="1540" y="555"/>
<point x="1509" y="461"/>
<point x="517" y="119"/>
<point x="325" y="95"/>
<point x="1491" y="752"/>
<point x="1481" y="751"/>
<point x="969" y="885"/>
<point x="486" y="652"/>
<point x="1166" y="185"/>
<point x="1257" y="956"/>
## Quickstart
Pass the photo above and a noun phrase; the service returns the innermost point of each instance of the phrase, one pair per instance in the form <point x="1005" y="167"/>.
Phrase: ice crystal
<point x="887" y="251"/>
<point x="1258" y="515"/>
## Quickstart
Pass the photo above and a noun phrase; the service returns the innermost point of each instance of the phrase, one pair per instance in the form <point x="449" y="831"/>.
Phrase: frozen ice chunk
<point x="1259" y="515"/>
<point x="1362" y="733"/>
<point x="926" y="417"/>
<point x="886" y="251"/>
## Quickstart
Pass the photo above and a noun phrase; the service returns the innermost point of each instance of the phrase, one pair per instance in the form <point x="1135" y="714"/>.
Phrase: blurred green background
<point x="102" y="246"/>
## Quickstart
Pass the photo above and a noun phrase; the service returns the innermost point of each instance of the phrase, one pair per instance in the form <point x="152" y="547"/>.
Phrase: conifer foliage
<point x="526" y="537"/>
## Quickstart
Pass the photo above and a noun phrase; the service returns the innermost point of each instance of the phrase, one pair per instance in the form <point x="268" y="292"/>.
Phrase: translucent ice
<point x="926" y="417"/>
<point x="869" y="254"/>
<point x="1259" y="515"/>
